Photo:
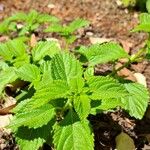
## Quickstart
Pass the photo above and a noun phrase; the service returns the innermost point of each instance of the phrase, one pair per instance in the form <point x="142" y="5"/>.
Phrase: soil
<point x="110" y="21"/>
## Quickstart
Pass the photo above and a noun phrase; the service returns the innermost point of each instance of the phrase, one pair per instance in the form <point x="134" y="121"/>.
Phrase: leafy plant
<point x="25" y="23"/>
<point x="67" y="31"/>
<point x="140" y="4"/>
<point x="61" y="90"/>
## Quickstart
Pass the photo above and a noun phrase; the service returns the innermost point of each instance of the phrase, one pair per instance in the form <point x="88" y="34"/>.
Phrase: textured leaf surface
<point x="46" y="92"/>
<point x="104" y="105"/>
<point x="42" y="18"/>
<point x="105" y="88"/>
<point x="45" y="48"/>
<point x="46" y="70"/>
<point x="82" y="106"/>
<point x="66" y="30"/>
<point x="32" y="139"/>
<point x="20" y="16"/>
<point x="72" y="134"/>
<point x="7" y="76"/>
<point x="97" y="54"/>
<point x="65" y="66"/>
<point x="29" y="72"/>
<point x="137" y="102"/>
<point x="76" y="24"/>
<point x="144" y="23"/>
<point x="12" y="48"/>
<point x="34" y="118"/>
<point x="148" y="5"/>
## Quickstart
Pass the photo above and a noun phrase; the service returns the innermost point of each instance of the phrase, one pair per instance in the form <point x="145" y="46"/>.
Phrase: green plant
<point x="28" y="22"/>
<point x="60" y="92"/>
<point x="141" y="4"/>
<point x="67" y="31"/>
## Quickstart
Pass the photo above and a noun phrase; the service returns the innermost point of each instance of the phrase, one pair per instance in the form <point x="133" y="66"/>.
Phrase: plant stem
<point x="132" y="59"/>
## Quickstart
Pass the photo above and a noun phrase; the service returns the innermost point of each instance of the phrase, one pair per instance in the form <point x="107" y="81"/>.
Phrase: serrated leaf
<point x="105" y="88"/>
<point x="12" y="48"/>
<point x="103" y="53"/>
<point x="42" y="18"/>
<point x="89" y="72"/>
<point x="20" y="16"/>
<point x="4" y="26"/>
<point x="58" y="29"/>
<point x="68" y="29"/>
<point x="29" y="72"/>
<point x="76" y="24"/>
<point x="76" y="84"/>
<point x="82" y="106"/>
<point x="32" y="16"/>
<point x="33" y="139"/>
<point x="104" y="105"/>
<point x="46" y="92"/>
<point x="42" y="49"/>
<point x="148" y="5"/>
<point x="144" y="23"/>
<point x="35" y="118"/>
<point x="17" y="47"/>
<point x="46" y="70"/>
<point x="7" y="76"/>
<point x="5" y="53"/>
<point x="65" y="66"/>
<point x="73" y="134"/>
<point x="137" y="102"/>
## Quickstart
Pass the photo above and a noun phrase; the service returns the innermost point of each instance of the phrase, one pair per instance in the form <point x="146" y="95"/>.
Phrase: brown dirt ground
<point x="108" y="20"/>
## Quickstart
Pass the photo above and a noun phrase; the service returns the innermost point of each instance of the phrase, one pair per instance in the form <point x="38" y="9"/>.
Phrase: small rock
<point x="89" y="33"/>
<point x="51" y="6"/>
<point x="140" y="78"/>
<point x="5" y="120"/>
<point x="1" y="7"/>
<point x="33" y="40"/>
<point x="95" y="40"/>
<point x="119" y="3"/>
<point x="19" y="26"/>
<point x="124" y="142"/>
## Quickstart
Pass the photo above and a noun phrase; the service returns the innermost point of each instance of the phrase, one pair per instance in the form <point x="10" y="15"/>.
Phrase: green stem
<point x="132" y="59"/>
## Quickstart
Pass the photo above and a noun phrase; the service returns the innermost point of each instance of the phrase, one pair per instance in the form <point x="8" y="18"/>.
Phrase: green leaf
<point x="77" y="24"/>
<point x="46" y="92"/>
<point x="4" y="26"/>
<point x="5" y="53"/>
<point x="46" y="70"/>
<point x="105" y="88"/>
<point x="104" y="105"/>
<point x="7" y="76"/>
<point x="34" y="118"/>
<point x="42" y="49"/>
<point x="20" y="16"/>
<point x="56" y="28"/>
<point x="17" y="47"/>
<point x="12" y="48"/>
<point x="33" y="139"/>
<point x="67" y="30"/>
<point x="148" y="5"/>
<point x="89" y="72"/>
<point x="137" y="102"/>
<point x="65" y="66"/>
<point x="32" y="16"/>
<point x="29" y="72"/>
<point x="76" y="84"/>
<point x="42" y="18"/>
<point x="144" y="23"/>
<point x="82" y="106"/>
<point x="73" y="134"/>
<point x="103" y="53"/>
